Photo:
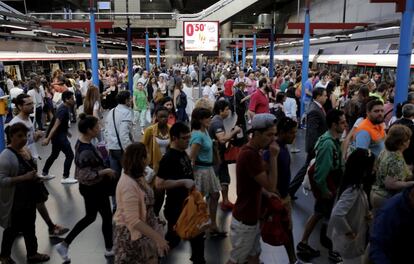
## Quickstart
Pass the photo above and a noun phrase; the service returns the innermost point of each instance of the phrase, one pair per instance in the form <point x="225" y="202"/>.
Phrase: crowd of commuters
<point x="359" y="159"/>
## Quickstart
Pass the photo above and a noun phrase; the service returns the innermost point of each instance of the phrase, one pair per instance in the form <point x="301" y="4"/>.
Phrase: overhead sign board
<point x="201" y="37"/>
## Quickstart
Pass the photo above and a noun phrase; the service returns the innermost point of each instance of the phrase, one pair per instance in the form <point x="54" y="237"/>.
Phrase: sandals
<point x="38" y="258"/>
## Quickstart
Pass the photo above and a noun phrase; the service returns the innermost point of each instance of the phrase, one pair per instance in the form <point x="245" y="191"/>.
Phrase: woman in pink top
<point x="138" y="233"/>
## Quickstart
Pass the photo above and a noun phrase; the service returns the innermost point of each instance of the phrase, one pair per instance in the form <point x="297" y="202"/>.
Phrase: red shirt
<point x="228" y="87"/>
<point x="259" y="103"/>
<point x="249" y="192"/>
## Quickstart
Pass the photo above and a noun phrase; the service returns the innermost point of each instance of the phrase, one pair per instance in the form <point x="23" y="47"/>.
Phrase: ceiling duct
<point x="264" y="20"/>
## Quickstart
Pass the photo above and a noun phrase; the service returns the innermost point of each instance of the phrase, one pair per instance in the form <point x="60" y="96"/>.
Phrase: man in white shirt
<point x="208" y="91"/>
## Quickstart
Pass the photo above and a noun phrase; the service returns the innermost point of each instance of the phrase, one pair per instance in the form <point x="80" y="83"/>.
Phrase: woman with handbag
<point x="203" y="158"/>
<point x="156" y="140"/>
<point x="348" y="225"/>
<point x="138" y="232"/>
<point x="93" y="179"/>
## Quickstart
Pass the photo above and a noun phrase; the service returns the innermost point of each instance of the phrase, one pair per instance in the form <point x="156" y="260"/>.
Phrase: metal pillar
<point x="147" y="53"/>
<point x="244" y="53"/>
<point x="200" y="75"/>
<point x="158" y="52"/>
<point x="232" y="55"/>
<point x="404" y="54"/>
<point x="129" y="44"/>
<point x="254" y="52"/>
<point x="272" y="48"/>
<point x="305" y="58"/>
<point x="237" y="53"/>
<point x="94" y="48"/>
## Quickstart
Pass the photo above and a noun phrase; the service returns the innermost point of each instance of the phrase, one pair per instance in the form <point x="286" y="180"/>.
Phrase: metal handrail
<point x="142" y="15"/>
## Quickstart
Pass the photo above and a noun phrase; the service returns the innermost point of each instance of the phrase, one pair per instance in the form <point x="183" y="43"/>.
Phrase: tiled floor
<point x="65" y="206"/>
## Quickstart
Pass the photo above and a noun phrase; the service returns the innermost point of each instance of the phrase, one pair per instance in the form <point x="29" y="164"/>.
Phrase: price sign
<point x="201" y="36"/>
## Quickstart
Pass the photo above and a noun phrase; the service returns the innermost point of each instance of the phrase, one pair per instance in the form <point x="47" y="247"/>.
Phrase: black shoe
<point x="7" y="260"/>
<point x="306" y="249"/>
<point x="335" y="257"/>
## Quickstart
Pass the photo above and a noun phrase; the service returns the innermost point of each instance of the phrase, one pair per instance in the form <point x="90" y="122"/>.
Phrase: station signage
<point x="201" y="37"/>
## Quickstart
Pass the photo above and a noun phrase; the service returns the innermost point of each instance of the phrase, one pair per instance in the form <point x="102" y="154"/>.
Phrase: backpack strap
<point x="116" y="130"/>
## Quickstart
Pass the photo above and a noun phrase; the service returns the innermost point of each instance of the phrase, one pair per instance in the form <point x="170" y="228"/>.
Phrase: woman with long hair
<point x="92" y="102"/>
<point x="138" y="233"/>
<point x="93" y="179"/>
<point x="189" y="92"/>
<point x="350" y="217"/>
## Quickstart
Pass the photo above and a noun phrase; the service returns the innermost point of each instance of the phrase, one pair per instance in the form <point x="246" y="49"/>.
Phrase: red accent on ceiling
<point x="333" y="62"/>
<point x="328" y="26"/>
<point x="78" y="25"/>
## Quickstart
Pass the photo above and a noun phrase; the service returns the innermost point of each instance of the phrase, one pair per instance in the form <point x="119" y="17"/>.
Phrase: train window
<point x="394" y="46"/>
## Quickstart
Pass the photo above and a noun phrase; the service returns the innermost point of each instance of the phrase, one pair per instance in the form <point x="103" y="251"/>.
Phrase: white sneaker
<point x="47" y="177"/>
<point x="109" y="253"/>
<point x="69" y="181"/>
<point x="295" y="150"/>
<point x="63" y="251"/>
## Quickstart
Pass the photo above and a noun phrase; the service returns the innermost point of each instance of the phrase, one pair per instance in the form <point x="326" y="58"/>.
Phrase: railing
<point x="111" y="16"/>
<point x="102" y="15"/>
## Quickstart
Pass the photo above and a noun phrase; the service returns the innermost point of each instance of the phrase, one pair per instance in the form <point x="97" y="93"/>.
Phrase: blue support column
<point x="244" y="53"/>
<point x="305" y="59"/>
<point x="130" y="70"/>
<point x="404" y="54"/>
<point x="237" y="53"/>
<point x="272" y="49"/>
<point x="94" y="48"/>
<point x="147" y="53"/>
<point x="158" y="52"/>
<point x="254" y="52"/>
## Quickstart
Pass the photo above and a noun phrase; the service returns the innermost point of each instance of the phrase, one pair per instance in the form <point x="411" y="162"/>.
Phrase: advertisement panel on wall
<point x="201" y="37"/>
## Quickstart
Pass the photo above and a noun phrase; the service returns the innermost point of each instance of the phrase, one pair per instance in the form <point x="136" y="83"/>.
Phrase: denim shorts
<point x="245" y="241"/>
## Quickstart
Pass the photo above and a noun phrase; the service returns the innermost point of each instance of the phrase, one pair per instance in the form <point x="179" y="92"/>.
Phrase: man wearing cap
<point x="252" y="177"/>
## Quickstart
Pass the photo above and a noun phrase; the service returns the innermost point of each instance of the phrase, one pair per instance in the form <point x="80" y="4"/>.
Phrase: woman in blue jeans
<point x="93" y="179"/>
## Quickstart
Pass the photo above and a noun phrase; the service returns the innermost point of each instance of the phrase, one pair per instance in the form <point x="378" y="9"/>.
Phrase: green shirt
<point x="140" y="100"/>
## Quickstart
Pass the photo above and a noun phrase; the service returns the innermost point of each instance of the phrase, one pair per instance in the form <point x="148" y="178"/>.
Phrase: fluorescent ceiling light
<point x="325" y="37"/>
<point x="41" y="31"/>
<point x="12" y="26"/>
<point x="387" y="28"/>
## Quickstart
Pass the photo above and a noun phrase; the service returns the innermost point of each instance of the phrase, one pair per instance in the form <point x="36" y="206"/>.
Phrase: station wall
<point x="332" y="11"/>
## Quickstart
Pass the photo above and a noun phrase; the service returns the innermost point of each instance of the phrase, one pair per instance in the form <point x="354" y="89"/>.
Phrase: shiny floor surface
<point x="66" y="207"/>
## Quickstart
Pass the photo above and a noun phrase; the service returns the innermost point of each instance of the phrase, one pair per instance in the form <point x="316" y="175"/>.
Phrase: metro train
<point x="358" y="55"/>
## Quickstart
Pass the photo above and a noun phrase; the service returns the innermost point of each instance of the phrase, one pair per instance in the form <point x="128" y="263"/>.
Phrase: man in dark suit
<point x="315" y="127"/>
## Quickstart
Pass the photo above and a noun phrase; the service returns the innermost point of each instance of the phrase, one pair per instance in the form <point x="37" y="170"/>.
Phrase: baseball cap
<point x="262" y="121"/>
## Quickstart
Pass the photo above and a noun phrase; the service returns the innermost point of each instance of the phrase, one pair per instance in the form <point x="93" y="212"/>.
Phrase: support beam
<point x="305" y="58"/>
<point x="272" y="49"/>
<point x="244" y="54"/>
<point x="94" y="49"/>
<point x="254" y="52"/>
<point x="237" y="54"/>
<point x="130" y="70"/>
<point x="404" y="54"/>
<point x="158" y="52"/>
<point x="147" y="53"/>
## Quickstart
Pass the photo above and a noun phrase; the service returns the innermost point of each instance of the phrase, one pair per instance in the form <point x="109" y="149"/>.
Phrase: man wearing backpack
<point x="324" y="182"/>
<point x="252" y="178"/>
<point x="175" y="174"/>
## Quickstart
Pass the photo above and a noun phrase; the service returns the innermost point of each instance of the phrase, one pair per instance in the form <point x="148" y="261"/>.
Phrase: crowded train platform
<point x="206" y="132"/>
